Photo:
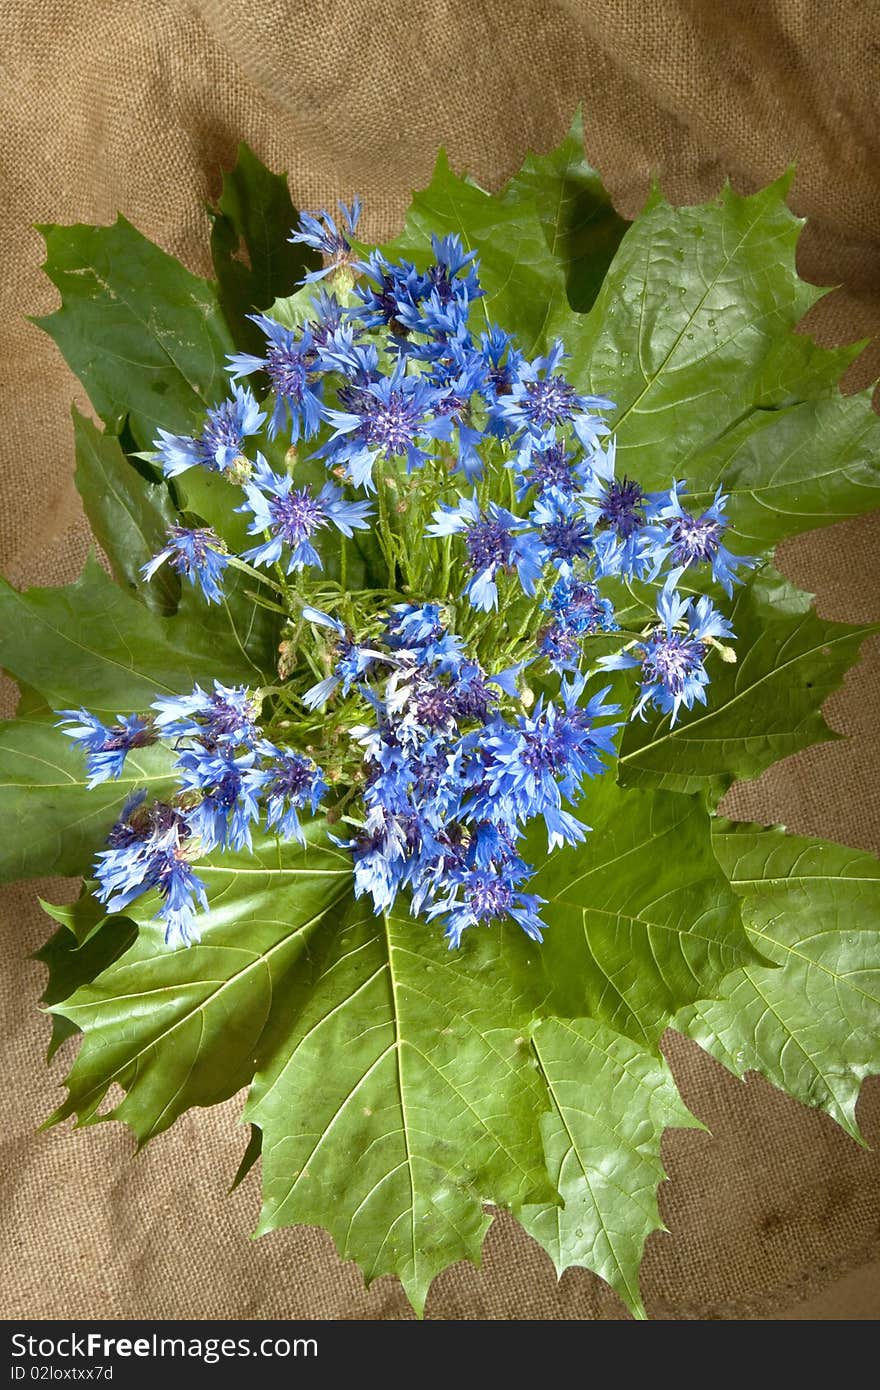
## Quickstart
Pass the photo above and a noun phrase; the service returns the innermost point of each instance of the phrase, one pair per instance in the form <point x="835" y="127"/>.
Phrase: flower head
<point x="494" y="540"/>
<point x="672" y="657"/>
<point x="289" y="364"/>
<point x="224" y="718"/>
<point x="486" y="897"/>
<point x="197" y="553"/>
<point x="621" y="515"/>
<point x="293" y="515"/>
<point x="693" y="540"/>
<point x="221" y="440"/>
<point x="288" y="783"/>
<point x="542" y="400"/>
<point x="150" y="847"/>
<point x="106" y="746"/>
<point x="321" y="233"/>
<point x="227" y="803"/>
<point x="390" y="417"/>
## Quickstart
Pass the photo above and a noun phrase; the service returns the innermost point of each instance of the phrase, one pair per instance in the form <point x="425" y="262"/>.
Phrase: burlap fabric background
<point x="136" y="105"/>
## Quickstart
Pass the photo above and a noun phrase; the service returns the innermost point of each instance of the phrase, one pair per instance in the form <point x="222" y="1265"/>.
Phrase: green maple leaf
<point x="812" y="1025"/>
<point x="254" y="261"/>
<point x="581" y="226"/>
<point x="611" y="1102"/>
<point x="52" y="822"/>
<point x="129" y="514"/>
<point x="639" y="914"/>
<point x="146" y="338"/>
<point x="427" y="1109"/>
<point x="433" y="1083"/>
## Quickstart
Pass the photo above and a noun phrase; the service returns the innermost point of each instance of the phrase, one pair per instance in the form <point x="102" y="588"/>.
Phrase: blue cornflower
<point x="445" y="277"/>
<point x="388" y="418"/>
<point x="414" y="625"/>
<point x="419" y="629"/>
<point x="149" y="847"/>
<point x="440" y="318"/>
<point x="672" y="656"/>
<point x="199" y="554"/>
<point x="289" y="364"/>
<point x="288" y="783"/>
<point x="329" y="320"/>
<point x="694" y="540"/>
<point x="565" y="534"/>
<point x="292" y="516"/>
<point x="544" y="757"/>
<point x="578" y="611"/>
<point x="106" y="745"/>
<point x="384" y="289"/>
<point x="380" y="852"/>
<point x="542" y="400"/>
<point x="621" y="514"/>
<point x="501" y="363"/>
<point x="221" y="440"/>
<point x="227" y="798"/>
<point x="580" y="606"/>
<point x="322" y="234"/>
<point x="548" y="467"/>
<point x="351" y="661"/>
<point x="223" y="719"/>
<point x="494" y="539"/>
<point x="479" y="897"/>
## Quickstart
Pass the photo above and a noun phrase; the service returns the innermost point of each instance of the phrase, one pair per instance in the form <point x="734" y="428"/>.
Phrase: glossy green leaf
<point x="72" y="964"/>
<point x="254" y="261"/>
<point x="791" y="470"/>
<point x="763" y="707"/>
<point x="52" y="823"/>
<point x="582" y="228"/>
<point x="129" y="515"/>
<point x="640" y="916"/>
<point x="812" y="1026"/>
<point x="692" y="304"/>
<point x="91" y="644"/>
<point x="611" y="1102"/>
<point x="146" y="337"/>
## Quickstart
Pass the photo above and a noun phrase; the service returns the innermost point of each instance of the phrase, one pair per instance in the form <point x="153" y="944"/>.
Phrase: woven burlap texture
<point x="137" y="105"/>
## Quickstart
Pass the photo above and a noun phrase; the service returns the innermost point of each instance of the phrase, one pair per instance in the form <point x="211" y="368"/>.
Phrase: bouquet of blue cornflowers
<point x="442" y="615"/>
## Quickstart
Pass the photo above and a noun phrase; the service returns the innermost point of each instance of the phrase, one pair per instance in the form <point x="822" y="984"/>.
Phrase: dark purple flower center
<point x="488" y="896"/>
<point x="434" y="705"/>
<point x="558" y="643"/>
<point x="293" y="778"/>
<point x="550" y="400"/>
<point x="566" y="540"/>
<point x="286" y="371"/>
<point x="392" y="424"/>
<point x="226" y="718"/>
<point x="672" y="660"/>
<point x="543" y="751"/>
<point x="552" y="469"/>
<point x="297" y="515"/>
<point x="488" y="543"/>
<point x="624" y="507"/>
<point x="473" y="698"/>
<point x="695" y="538"/>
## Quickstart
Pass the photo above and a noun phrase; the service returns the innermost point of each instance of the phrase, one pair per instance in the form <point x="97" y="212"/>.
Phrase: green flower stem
<point x="255" y="573"/>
